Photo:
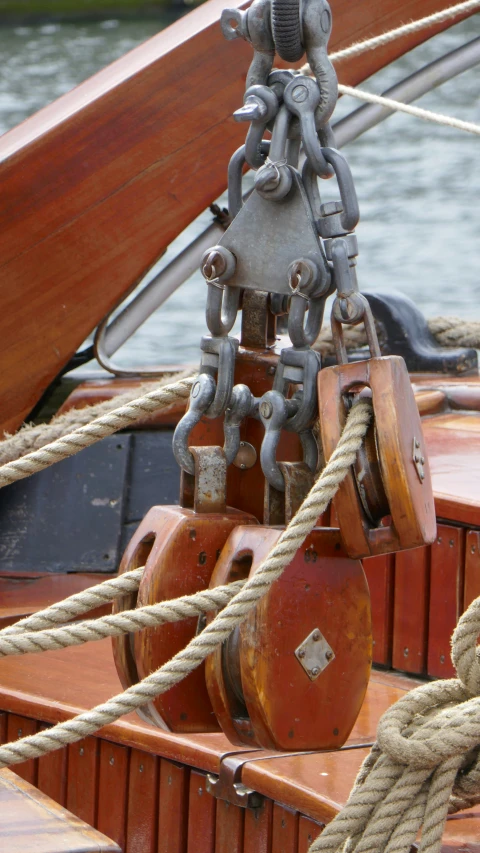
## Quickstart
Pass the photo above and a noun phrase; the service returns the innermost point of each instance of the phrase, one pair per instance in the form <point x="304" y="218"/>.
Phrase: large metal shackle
<point x="290" y="29"/>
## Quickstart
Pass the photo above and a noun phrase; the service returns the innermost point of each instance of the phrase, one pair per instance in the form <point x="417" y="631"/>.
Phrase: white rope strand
<point x="418" y="112"/>
<point x="412" y="27"/>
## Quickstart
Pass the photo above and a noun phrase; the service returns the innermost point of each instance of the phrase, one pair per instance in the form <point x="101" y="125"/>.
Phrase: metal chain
<point x="282" y="241"/>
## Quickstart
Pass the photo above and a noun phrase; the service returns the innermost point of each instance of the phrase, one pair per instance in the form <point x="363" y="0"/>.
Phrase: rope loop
<point x="424" y="765"/>
<point x="465" y="652"/>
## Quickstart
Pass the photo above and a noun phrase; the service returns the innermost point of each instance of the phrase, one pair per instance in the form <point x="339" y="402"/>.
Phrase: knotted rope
<point x="224" y="623"/>
<point x="424" y="765"/>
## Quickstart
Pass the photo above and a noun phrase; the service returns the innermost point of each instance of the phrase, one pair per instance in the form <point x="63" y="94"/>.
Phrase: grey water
<point x="418" y="184"/>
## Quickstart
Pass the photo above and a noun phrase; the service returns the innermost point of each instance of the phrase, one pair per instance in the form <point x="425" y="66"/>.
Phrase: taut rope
<point x="34" y="448"/>
<point x="417" y="112"/>
<point x="33" y="436"/>
<point x="223" y="624"/>
<point x="77" y="604"/>
<point x="405" y="29"/>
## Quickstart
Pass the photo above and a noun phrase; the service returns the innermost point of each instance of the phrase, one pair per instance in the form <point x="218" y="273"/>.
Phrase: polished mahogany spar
<point x="96" y="185"/>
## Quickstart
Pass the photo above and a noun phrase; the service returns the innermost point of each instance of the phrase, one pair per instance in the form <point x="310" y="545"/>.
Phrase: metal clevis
<point x="283" y="242"/>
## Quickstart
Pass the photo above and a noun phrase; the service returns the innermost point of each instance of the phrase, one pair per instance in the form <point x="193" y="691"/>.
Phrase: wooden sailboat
<point x="98" y="184"/>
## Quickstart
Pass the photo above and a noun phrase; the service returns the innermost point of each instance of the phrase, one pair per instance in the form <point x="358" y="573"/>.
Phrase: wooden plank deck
<point x="301" y="787"/>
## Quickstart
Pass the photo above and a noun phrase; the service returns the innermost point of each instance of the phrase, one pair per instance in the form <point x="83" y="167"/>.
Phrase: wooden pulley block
<point x="293" y="675"/>
<point x="179" y="547"/>
<point x="385" y="503"/>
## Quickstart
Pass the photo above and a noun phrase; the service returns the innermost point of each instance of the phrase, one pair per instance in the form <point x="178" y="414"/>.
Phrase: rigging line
<point x="418" y="112"/>
<point x="405" y="29"/>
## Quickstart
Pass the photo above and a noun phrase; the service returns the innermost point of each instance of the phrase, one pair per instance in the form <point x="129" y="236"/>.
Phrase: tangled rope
<point x="448" y="332"/>
<point x="223" y="624"/>
<point x="116" y="624"/>
<point x="424" y="765"/>
<point x="94" y="431"/>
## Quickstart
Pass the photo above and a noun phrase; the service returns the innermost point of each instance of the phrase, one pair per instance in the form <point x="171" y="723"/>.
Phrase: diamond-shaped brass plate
<point x="314" y="654"/>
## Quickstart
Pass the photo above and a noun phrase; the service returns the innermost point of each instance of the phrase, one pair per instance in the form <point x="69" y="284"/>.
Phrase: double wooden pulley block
<point x="293" y="675"/>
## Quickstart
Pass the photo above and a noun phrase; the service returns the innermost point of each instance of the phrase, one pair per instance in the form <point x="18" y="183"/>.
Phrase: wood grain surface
<point x="31" y="821"/>
<point x="96" y="185"/>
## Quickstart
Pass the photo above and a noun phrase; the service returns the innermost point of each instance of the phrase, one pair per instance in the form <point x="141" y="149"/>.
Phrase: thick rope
<point x="33" y="436"/>
<point x="116" y="624"/>
<point x="85" y="436"/>
<point x="77" y="604"/>
<point x="405" y="29"/>
<point x="224" y="623"/>
<point x="455" y="332"/>
<point x="418" y="112"/>
<point x="448" y="332"/>
<point x="425" y="764"/>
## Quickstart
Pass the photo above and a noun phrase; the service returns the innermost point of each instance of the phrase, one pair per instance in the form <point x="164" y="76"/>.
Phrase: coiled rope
<point x="224" y="623"/>
<point x="424" y="765"/>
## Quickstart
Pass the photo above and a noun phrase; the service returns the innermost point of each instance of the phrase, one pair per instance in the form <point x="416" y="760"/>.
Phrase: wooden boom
<point x="96" y="185"/>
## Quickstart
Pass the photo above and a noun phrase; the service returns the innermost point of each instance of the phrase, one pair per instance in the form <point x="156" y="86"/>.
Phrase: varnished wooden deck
<point x="145" y="788"/>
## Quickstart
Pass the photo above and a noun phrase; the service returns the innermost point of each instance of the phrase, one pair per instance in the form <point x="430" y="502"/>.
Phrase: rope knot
<point x="465" y="652"/>
<point x="425" y="764"/>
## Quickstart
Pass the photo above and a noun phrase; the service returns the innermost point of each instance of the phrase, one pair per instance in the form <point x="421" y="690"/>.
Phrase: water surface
<point x="418" y="184"/>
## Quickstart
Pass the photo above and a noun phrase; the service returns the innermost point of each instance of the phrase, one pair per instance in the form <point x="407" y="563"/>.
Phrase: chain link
<point x="296" y="110"/>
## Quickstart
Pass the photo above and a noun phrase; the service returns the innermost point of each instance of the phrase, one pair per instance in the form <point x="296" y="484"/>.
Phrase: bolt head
<point x="301" y="653"/>
<point x="316" y="636"/>
<point x="266" y="409"/>
<point x="329" y="655"/>
<point x="315" y="670"/>
<point x="300" y="94"/>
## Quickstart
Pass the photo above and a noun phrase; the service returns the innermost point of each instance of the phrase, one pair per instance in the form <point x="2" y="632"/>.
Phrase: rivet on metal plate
<point x="314" y="654"/>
